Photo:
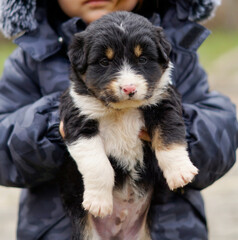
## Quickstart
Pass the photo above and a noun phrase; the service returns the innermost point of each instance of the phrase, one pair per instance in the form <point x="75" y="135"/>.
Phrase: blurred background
<point x="219" y="56"/>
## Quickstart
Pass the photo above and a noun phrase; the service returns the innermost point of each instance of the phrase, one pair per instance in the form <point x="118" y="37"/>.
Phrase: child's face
<point x="90" y="10"/>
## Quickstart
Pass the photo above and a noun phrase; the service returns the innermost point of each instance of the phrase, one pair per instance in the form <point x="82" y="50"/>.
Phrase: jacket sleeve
<point x="30" y="144"/>
<point x="210" y="118"/>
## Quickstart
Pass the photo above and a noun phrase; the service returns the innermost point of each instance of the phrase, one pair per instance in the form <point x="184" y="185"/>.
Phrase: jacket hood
<point x="196" y="10"/>
<point x="17" y="16"/>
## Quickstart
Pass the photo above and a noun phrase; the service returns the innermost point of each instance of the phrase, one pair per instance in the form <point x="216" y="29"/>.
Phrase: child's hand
<point x="61" y="129"/>
<point x="143" y="135"/>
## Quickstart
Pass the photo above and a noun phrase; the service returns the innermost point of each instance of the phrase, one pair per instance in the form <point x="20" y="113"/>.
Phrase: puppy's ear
<point x="77" y="53"/>
<point x="163" y="47"/>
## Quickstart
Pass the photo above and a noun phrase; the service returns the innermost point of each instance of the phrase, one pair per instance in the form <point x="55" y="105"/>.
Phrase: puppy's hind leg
<point x="71" y="192"/>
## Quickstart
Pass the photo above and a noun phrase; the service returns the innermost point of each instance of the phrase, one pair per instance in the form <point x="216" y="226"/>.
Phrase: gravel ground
<point x="8" y="212"/>
<point x="221" y="198"/>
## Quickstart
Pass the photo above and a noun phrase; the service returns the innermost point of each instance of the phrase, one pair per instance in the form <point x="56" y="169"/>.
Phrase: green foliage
<point x="6" y="49"/>
<point x="217" y="44"/>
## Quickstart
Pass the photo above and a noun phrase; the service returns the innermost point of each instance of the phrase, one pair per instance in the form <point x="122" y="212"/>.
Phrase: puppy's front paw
<point x="98" y="203"/>
<point x="181" y="174"/>
<point x="177" y="168"/>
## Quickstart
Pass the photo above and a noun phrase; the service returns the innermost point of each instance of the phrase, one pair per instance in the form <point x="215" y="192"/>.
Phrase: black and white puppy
<point x="120" y="83"/>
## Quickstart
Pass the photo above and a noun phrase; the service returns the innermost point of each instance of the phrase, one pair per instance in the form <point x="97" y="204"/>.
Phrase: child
<point x="37" y="73"/>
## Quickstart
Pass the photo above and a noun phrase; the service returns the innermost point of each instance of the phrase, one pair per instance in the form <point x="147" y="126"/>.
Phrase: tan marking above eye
<point x="110" y="53"/>
<point x="138" y="50"/>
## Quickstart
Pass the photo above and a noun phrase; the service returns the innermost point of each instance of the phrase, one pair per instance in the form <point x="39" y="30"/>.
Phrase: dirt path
<point x="223" y="75"/>
<point x="221" y="198"/>
<point x="8" y="212"/>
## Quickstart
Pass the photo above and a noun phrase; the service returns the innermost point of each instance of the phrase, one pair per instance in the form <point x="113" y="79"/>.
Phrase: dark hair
<point x="148" y="7"/>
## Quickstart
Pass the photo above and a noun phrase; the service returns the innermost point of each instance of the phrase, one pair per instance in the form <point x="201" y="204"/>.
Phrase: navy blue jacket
<point x="31" y="149"/>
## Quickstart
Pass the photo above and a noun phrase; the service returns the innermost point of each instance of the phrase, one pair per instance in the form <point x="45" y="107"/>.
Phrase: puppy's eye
<point x="104" y="62"/>
<point x="142" y="60"/>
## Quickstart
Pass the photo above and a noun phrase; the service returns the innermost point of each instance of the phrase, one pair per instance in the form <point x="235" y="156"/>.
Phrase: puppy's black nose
<point x="131" y="94"/>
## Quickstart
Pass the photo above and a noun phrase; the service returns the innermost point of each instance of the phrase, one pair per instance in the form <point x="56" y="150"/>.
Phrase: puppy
<point x="120" y="83"/>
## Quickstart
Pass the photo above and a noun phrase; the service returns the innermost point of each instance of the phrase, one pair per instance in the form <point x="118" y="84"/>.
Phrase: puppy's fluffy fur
<point x="120" y="83"/>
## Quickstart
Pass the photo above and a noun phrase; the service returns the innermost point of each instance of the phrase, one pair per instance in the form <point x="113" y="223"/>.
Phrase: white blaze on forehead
<point x="120" y="26"/>
<point x="127" y="76"/>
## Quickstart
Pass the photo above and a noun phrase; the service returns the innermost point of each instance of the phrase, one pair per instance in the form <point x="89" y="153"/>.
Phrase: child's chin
<point x="94" y="15"/>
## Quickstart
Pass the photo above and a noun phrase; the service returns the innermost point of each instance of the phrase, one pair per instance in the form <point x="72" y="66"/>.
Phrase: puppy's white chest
<point x="119" y="132"/>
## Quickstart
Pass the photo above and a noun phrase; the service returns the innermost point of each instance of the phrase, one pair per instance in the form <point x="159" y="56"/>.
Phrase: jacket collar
<point x="43" y="42"/>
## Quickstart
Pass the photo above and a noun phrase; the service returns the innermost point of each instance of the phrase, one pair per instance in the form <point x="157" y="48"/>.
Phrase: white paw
<point x="98" y="203"/>
<point x="177" y="168"/>
<point x="181" y="174"/>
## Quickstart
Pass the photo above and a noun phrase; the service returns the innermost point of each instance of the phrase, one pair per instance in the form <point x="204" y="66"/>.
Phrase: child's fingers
<point x="143" y="135"/>
<point x="61" y="129"/>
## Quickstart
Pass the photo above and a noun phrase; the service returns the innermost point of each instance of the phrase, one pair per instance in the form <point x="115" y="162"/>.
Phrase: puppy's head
<point x="121" y="59"/>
